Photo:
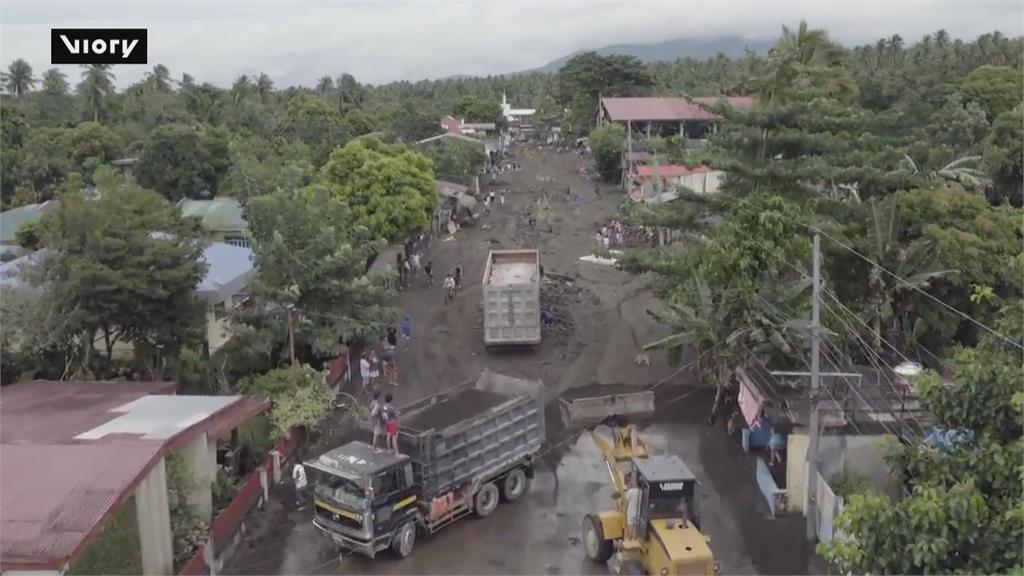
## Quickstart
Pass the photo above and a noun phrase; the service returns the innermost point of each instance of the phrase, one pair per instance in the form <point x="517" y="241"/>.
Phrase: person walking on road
<point x="501" y="199"/>
<point x="407" y="332"/>
<point x="364" y="371"/>
<point x="428" y="270"/>
<point x="449" y="289"/>
<point x="458" y="276"/>
<point x="299" y="477"/>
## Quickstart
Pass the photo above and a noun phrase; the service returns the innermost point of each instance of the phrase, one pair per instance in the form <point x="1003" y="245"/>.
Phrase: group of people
<point x="452" y="283"/>
<point x="492" y="197"/>
<point x="384" y="419"/>
<point x="372" y="366"/>
<point x="410" y="261"/>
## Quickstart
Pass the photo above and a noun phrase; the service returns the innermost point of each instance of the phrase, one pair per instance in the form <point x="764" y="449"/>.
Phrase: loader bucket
<point x="590" y="405"/>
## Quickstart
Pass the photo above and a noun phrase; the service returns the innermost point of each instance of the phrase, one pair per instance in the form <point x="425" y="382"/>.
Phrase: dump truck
<point x="511" y="286"/>
<point x="460" y="452"/>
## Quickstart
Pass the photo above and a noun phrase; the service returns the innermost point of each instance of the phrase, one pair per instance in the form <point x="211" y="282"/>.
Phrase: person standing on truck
<point x="391" y="423"/>
<point x="632" y="508"/>
<point x="377" y="420"/>
<point x="299" y="477"/>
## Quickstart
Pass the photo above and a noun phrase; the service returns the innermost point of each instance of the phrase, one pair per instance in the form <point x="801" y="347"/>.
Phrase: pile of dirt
<point x="564" y="296"/>
<point x="453" y="410"/>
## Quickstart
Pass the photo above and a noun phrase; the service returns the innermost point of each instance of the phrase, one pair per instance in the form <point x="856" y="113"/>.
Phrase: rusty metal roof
<point x="668" y="109"/>
<point x="55" y="496"/>
<point x="73" y="452"/>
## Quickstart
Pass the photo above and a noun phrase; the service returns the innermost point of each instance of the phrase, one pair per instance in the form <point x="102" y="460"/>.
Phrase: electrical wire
<point x="939" y="301"/>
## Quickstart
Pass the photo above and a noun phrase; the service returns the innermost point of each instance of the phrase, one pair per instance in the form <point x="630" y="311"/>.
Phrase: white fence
<point x="827" y="509"/>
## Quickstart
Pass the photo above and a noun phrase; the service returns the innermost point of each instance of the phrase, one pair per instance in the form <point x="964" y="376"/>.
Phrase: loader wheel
<point x="404" y="540"/>
<point x="514" y="485"/>
<point x="486" y="500"/>
<point x="595" y="545"/>
<point x="633" y="568"/>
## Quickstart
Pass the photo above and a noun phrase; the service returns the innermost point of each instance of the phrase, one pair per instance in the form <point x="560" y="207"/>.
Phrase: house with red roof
<point x="689" y="118"/>
<point x="656" y="184"/>
<point x="86" y="472"/>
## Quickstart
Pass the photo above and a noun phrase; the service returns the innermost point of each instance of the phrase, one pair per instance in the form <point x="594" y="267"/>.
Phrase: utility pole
<point x="812" y="450"/>
<point x="291" y="349"/>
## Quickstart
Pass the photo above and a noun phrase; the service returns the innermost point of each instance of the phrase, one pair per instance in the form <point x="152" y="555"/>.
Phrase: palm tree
<point x="55" y="82"/>
<point x="240" y="89"/>
<point x="159" y="79"/>
<point x="96" y="87"/>
<point x="264" y="87"/>
<point x="720" y="328"/>
<point x="910" y="261"/>
<point x="807" y="59"/>
<point x="325" y="85"/>
<point x="18" y="79"/>
<point x="956" y="171"/>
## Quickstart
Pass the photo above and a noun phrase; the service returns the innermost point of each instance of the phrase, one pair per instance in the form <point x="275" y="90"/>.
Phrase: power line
<point x="963" y="315"/>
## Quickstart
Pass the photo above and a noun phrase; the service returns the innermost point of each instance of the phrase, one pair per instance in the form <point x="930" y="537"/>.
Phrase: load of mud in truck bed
<point x="456" y="408"/>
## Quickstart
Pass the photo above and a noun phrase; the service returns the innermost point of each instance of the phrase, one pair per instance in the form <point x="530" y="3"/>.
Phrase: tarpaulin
<point x="750" y="404"/>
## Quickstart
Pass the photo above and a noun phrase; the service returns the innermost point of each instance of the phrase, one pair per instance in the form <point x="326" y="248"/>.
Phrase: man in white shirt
<point x="299" y="477"/>
<point x="632" y="509"/>
<point x="364" y="370"/>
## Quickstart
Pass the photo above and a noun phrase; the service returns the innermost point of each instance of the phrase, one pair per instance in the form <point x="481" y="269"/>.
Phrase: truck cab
<point x="669" y="523"/>
<point x="364" y="499"/>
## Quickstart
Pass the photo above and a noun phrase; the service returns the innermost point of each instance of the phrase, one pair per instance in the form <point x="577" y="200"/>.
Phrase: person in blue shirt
<point x="407" y="331"/>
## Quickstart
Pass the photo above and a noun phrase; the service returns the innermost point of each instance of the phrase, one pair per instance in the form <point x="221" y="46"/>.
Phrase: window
<point x="342" y="490"/>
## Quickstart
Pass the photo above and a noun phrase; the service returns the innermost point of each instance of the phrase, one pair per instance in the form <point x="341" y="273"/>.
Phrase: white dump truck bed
<point x="511" y="286"/>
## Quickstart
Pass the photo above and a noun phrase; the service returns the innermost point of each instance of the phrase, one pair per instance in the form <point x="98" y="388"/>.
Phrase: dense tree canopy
<point x="182" y="161"/>
<point x="388" y="188"/>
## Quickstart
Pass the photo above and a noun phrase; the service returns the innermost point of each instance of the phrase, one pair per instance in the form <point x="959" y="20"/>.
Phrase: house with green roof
<point x="221" y="217"/>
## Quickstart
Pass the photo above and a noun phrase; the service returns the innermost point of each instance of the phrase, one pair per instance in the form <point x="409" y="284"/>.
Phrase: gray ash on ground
<point x="597" y="390"/>
<point x="458" y="407"/>
<point x="564" y="296"/>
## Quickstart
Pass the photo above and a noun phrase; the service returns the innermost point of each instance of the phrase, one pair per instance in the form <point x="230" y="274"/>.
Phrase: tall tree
<point x="387" y="188"/>
<point x="125" y="268"/>
<point x="18" y="80"/>
<point x="96" y="87"/>
<point x="56" y="105"/>
<point x="264" y="88"/>
<point x="311" y="257"/>
<point x="159" y="79"/>
<point x="180" y="161"/>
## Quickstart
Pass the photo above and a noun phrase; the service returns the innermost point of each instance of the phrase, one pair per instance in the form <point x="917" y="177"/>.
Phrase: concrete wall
<point x="859" y="454"/>
<point x="154" y="517"/>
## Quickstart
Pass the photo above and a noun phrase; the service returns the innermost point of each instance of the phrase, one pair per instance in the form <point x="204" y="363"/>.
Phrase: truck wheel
<point x="404" y="539"/>
<point x="486" y="500"/>
<point x="514" y="485"/>
<point x="597" y="547"/>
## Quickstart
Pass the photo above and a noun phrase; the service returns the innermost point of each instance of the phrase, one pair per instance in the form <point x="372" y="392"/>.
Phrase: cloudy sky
<point x="297" y="42"/>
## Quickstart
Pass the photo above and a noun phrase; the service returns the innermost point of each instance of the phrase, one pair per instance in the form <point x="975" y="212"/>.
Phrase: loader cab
<point x="668" y="491"/>
<point x="360" y="493"/>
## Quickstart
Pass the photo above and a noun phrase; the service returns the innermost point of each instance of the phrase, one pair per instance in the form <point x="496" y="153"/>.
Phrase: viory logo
<point x="98" y="45"/>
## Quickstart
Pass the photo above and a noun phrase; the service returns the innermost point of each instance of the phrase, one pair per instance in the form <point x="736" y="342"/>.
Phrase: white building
<point x="514" y="114"/>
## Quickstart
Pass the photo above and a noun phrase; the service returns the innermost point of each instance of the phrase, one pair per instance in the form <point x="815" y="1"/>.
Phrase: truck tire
<point x="404" y="539"/>
<point x="597" y="548"/>
<point x="514" y="485"/>
<point x="486" y="500"/>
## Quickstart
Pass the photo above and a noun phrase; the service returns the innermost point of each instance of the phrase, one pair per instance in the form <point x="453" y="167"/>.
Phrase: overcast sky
<point x="297" y="42"/>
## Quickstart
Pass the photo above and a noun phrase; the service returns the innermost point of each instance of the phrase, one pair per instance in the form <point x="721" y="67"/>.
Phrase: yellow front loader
<point x="669" y="540"/>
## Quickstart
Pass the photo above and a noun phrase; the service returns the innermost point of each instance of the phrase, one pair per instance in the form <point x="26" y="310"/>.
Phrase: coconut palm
<point x="241" y="88"/>
<point x="18" y="80"/>
<point x="958" y="170"/>
<point x="912" y="262"/>
<point x="96" y="87"/>
<point x="806" y="59"/>
<point x="159" y="79"/>
<point x="324" y="85"/>
<point x="264" y="87"/>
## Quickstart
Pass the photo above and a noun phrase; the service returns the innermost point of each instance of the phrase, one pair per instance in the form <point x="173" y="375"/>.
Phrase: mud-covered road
<point x="602" y="325"/>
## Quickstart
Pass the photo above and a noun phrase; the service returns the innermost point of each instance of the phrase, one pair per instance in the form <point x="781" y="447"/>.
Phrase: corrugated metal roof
<point x="11" y="220"/>
<point x="668" y="109"/>
<point x="670" y="171"/>
<point x="73" y="451"/>
<point x="53" y="496"/>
